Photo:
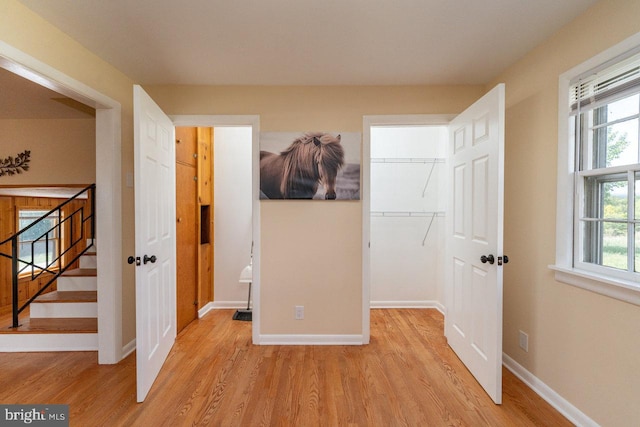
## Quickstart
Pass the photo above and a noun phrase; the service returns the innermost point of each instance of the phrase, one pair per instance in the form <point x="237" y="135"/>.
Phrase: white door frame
<point x="254" y="122"/>
<point x="365" y="190"/>
<point x="108" y="194"/>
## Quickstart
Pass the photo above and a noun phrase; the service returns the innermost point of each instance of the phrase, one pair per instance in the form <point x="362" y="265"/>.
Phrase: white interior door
<point x="473" y="295"/>
<point x="155" y="195"/>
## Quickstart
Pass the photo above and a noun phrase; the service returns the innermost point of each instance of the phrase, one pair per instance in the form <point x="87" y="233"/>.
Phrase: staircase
<point x="62" y="320"/>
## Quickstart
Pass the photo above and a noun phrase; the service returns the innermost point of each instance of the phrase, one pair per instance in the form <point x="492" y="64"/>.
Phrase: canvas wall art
<point x="310" y="165"/>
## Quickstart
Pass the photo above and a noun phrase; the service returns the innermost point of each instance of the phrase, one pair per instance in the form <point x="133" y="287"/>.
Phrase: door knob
<point x="131" y="260"/>
<point x="502" y="259"/>
<point x="484" y="259"/>
<point x="153" y="258"/>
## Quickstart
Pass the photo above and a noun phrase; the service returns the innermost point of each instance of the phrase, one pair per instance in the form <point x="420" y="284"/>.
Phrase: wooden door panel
<point x="7" y="228"/>
<point x="205" y="158"/>
<point x="186" y="245"/>
<point x="206" y="201"/>
<point x="186" y="145"/>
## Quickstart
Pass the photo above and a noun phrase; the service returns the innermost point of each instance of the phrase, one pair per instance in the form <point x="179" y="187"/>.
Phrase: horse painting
<point x="312" y="159"/>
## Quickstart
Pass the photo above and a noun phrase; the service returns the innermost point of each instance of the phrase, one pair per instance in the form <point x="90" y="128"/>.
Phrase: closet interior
<point x="408" y="199"/>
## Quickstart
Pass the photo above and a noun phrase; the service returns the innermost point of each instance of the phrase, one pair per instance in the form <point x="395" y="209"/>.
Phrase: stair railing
<point x="58" y="265"/>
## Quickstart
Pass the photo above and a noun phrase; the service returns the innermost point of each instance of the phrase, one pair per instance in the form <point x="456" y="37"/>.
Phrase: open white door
<point x="473" y="296"/>
<point x="155" y="195"/>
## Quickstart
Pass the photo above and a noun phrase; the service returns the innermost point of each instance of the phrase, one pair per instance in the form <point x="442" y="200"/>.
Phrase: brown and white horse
<point x="296" y="172"/>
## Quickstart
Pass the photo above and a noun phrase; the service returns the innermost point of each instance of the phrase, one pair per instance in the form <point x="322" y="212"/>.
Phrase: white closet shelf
<point x="408" y="213"/>
<point x="407" y="160"/>
<point x="433" y="215"/>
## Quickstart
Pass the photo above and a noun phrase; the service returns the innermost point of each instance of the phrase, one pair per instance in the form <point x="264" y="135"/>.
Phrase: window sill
<point x="623" y="290"/>
<point x="27" y="276"/>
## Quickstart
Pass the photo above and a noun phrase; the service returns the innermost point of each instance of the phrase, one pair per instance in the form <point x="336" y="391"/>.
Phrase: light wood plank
<point x="215" y="376"/>
<point x="81" y="272"/>
<point x="54" y="325"/>
<point x="68" y="296"/>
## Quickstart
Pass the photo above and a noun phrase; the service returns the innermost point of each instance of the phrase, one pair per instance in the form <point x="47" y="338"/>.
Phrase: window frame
<point x="31" y="270"/>
<point x="569" y="193"/>
<point x="603" y="174"/>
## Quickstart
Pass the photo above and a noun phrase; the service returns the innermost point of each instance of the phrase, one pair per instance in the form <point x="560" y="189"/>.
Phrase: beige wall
<point x="23" y="30"/>
<point x="583" y="345"/>
<point x="62" y="151"/>
<point x="280" y="108"/>
<point x="311" y="251"/>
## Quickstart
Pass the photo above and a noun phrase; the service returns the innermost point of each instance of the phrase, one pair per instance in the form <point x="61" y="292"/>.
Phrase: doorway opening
<point x="408" y="198"/>
<point x="194" y="247"/>
<point x="214" y="210"/>
<point x="234" y="215"/>
<point x="472" y="234"/>
<point x="375" y="128"/>
<point x="108" y="198"/>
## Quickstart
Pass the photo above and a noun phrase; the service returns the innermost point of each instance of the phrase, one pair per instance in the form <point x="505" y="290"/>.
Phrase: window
<point x="42" y="241"/>
<point x="598" y="228"/>
<point x="608" y="169"/>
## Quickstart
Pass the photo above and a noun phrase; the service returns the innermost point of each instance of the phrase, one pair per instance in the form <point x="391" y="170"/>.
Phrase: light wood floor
<point x="214" y="376"/>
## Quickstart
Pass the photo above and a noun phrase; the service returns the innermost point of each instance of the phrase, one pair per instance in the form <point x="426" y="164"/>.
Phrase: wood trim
<point x="45" y="186"/>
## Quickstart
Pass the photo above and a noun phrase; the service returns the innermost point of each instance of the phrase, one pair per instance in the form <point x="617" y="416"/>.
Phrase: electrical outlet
<point x="299" y="312"/>
<point x="524" y="341"/>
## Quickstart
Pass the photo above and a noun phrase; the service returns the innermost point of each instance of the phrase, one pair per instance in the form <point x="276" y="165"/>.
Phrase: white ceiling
<point x="310" y="42"/>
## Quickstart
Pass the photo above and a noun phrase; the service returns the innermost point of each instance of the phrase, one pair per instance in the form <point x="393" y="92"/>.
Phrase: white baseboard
<point x="14" y="343"/>
<point x="128" y="348"/>
<point x="563" y="406"/>
<point x="408" y="304"/>
<point x="218" y="305"/>
<point x="277" y="339"/>
<point x="221" y="305"/>
<point x="204" y="310"/>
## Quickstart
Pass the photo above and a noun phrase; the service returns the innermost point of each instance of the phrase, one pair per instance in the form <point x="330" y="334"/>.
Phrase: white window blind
<point x="603" y="85"/>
